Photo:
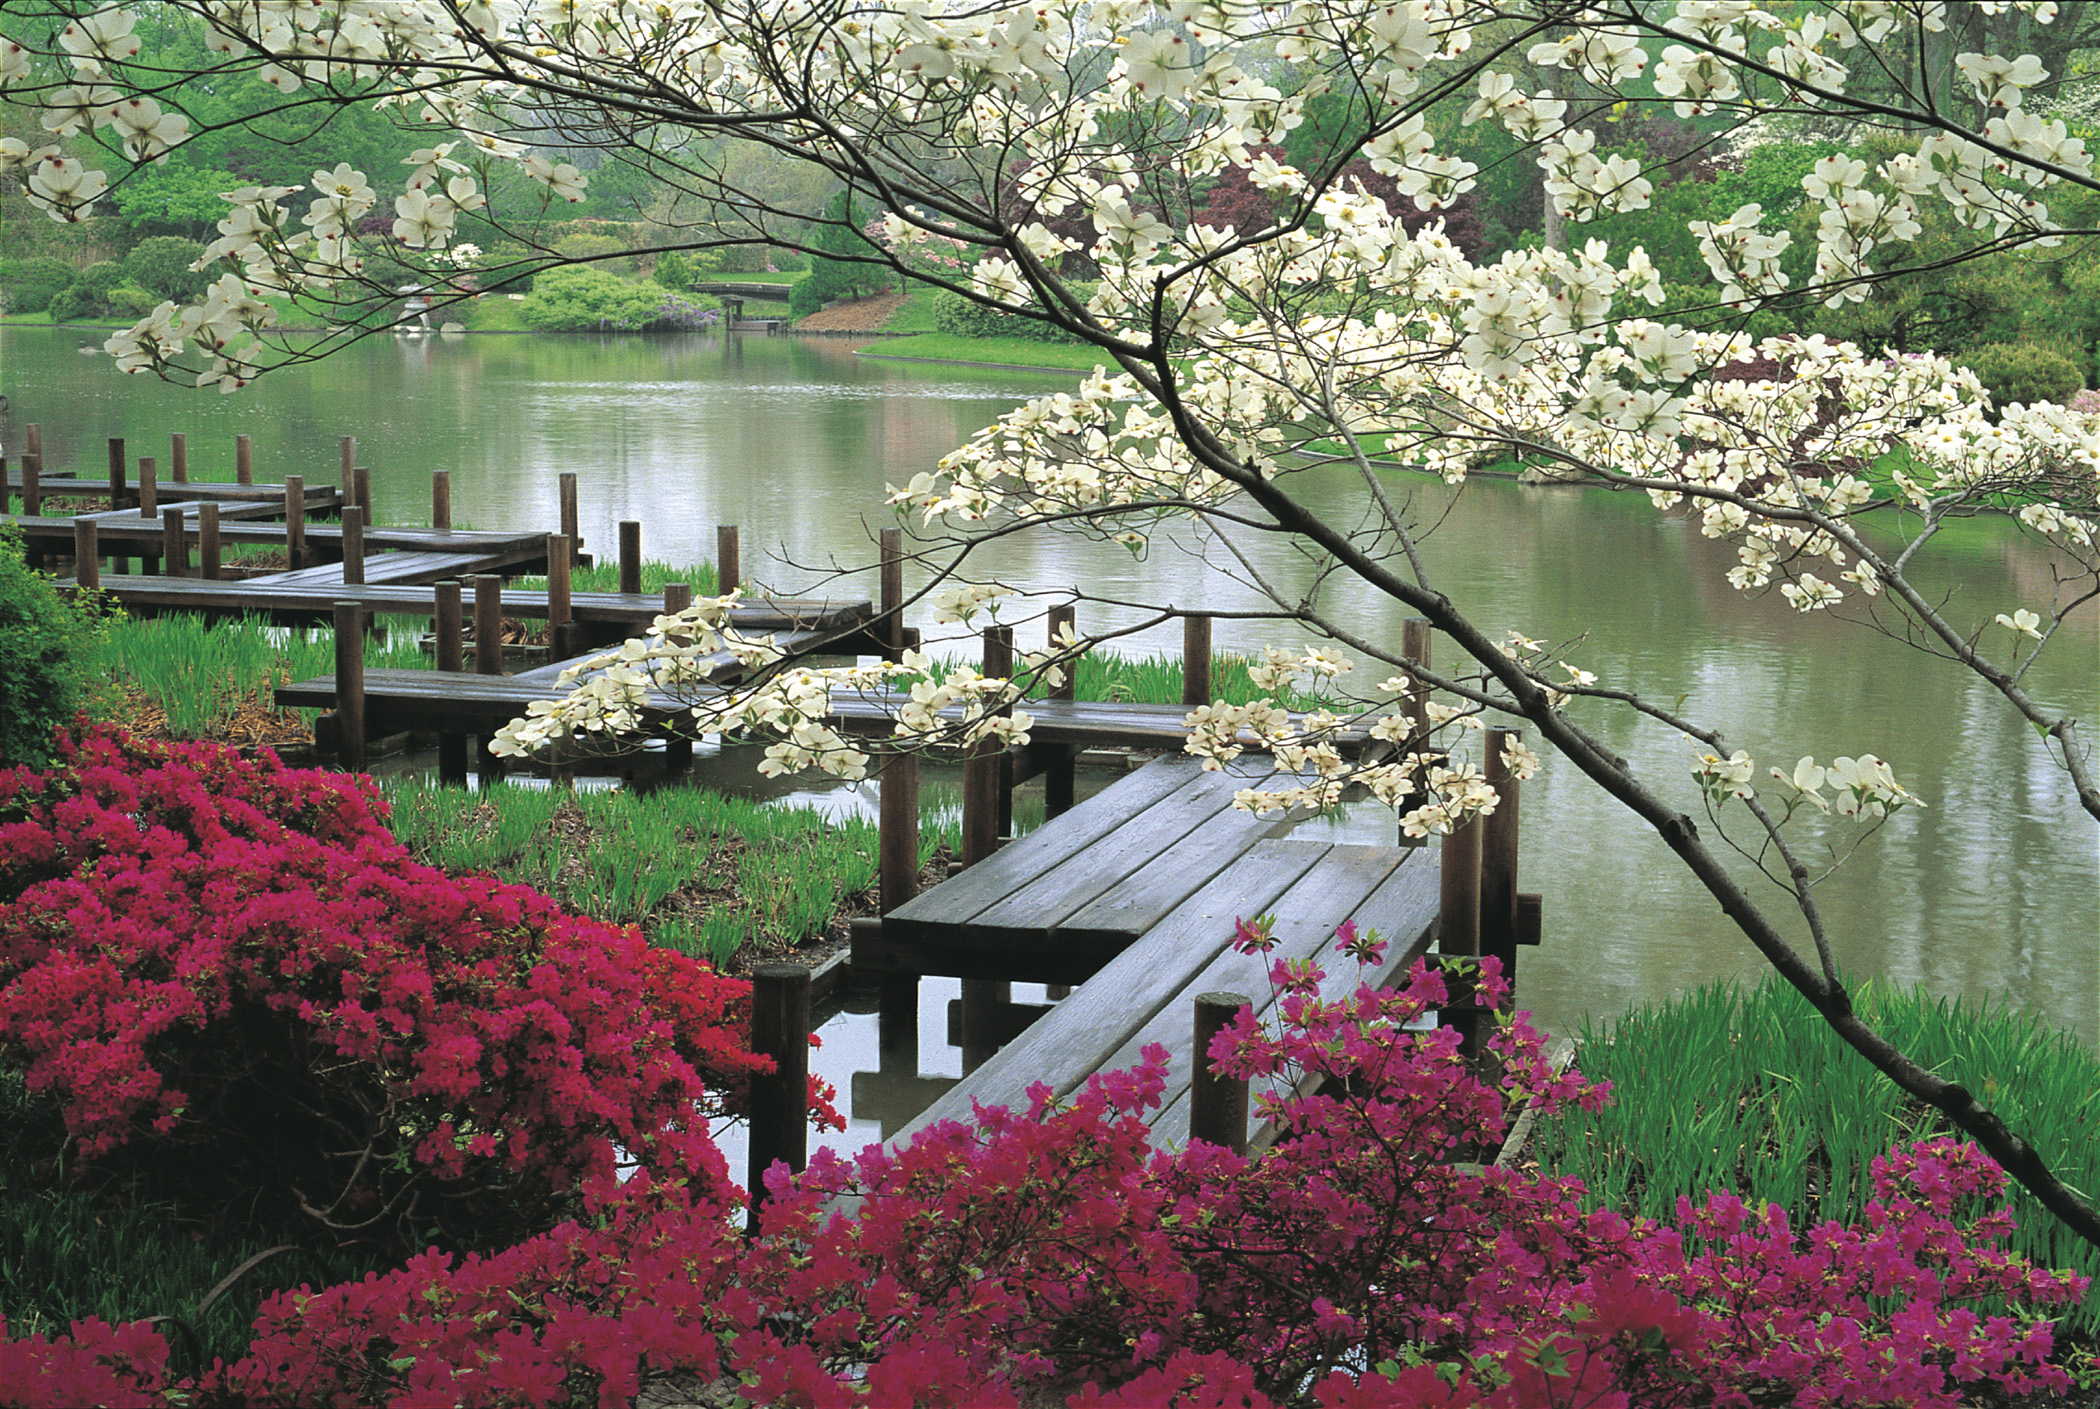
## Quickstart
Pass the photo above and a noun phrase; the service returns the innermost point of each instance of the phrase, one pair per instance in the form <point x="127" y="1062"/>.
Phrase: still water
<point x="1992" y="891"/>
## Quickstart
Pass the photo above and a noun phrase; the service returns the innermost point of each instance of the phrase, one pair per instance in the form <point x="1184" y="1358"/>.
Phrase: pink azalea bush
<point x="229" y="978"/>
<point x="1053" y="1254"/>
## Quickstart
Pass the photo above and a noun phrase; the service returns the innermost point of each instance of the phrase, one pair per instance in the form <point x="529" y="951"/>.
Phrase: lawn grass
<point x="1750" y="1092"/>
<point x="994" y="352"/>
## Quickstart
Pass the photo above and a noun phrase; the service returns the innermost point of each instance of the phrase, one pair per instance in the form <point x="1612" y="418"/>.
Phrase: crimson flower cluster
<point x="1370" y="1256"/>
<point x="228" y="977"/>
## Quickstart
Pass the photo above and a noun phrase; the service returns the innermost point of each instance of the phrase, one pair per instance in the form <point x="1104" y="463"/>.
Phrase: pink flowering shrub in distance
<point x="228" y="978"/>
<point x="1052" y="1254"/>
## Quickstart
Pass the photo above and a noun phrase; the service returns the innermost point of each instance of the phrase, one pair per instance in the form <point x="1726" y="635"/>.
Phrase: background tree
<point x="1043" y="135"/>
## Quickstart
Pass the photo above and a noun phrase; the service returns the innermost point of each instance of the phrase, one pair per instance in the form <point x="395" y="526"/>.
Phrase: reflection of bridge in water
<point x="734" y="295"/>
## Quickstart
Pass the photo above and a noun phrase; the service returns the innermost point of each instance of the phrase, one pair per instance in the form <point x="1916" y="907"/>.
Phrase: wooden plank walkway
<point x="1055" y="905"/>
<point x="426" y="699"/>
<point x="1134" y="896"/>
<point x="1146" y="994"/>
<point x="277" y="593"/>
<point x="318" y="496"/>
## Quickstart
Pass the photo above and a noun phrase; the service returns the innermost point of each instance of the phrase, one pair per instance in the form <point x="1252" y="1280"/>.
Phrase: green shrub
<point x="99" y="278"/>
<point x="48" y="645"/>
<point x="959" y="317"/>
<point x="673" y="270"/>
<point x="584" y="299"/>
<point x="161" y="265"/>
<point x="31" y="284"/>
<point x="2026" y="372"/>
<point x="130" y="301"/>
<point x="74" y="303"/>
<point x="588" y="246"/>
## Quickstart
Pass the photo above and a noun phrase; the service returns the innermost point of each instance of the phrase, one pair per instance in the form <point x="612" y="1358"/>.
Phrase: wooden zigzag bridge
<point x="1123" y="905"/>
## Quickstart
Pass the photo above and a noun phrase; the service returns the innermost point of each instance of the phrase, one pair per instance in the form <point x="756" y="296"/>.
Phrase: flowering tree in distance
<point x="1069" y="138"/>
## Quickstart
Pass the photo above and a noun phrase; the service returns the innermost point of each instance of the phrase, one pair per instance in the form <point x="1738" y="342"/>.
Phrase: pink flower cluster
<point x="1371" y="1256"/>
<point x="229" y="975"/>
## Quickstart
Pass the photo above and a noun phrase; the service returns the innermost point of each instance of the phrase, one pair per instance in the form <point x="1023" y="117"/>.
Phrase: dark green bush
<point x="31" y="284"/>
<point x="49" y="646"/>
<point x="75" y="302"/>
<point x="161" y="266"/>
<point x="959" y="317"/>
<point x="99" y="278"/>
<point x="585" y="299"/>
<point x="673" y="270"/>
<point x="2026" y="372"/>
<point x="131" y="301"/>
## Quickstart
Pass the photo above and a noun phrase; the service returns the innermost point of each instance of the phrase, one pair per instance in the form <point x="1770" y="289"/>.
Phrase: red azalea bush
<point x="230" y="980"/>
<point x="1053" y="1254"/>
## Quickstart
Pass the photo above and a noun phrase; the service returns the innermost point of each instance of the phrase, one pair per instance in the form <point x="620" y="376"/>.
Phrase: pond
<point x="1991" y="891"/>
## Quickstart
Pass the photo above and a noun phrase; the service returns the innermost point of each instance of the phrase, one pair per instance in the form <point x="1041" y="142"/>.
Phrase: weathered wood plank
<point x="1036" y="854"/>
<point x="1402" y="908"/>
<point x="1144" y="897"/>
<point x="1077" y="1036"/>
<point x="270" y="594"/>
<point x="407" y="568"/>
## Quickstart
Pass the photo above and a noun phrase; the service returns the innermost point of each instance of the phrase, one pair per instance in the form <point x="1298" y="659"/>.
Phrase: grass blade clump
<point x="200" y="673"/>
<point x="1750" y="1092"/>
<point x="698" y="871"/>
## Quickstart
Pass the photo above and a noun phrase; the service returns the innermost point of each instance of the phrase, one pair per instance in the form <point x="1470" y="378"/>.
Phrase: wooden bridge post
<point x="346" y="467"/>
<point x="361" y="482"/>
<point x="350" y="686"/>
<point x="1498" y="858"/>
<point x="780" y="1098"/>
<point x="899" y="831"/>
<point x="571" y="521"/>
<point x="451" y="655"/>
<point x="295" y="520"/>
<point x="678" y="747"/>
<point x="243" y="459"/>
<point x="174" y="543"/>
<point x="1217" y="1104"/>
<point x="87" y="556"/>
<point x="441" y="501"/>
<point x="890" y="624"/>
<point x="116" y="473"/>
<point x="999" y="662"/>
<point x="1414" y="649"/>
<point x="488" y="623"/>
<point x="987" y="816"/>
<point x="488" y="655"/>
<point x="1458" y="933"/>
<point x="32" y="497"/>
<point x="897" y="995"/>
<point x="1195" y="660"/>
<point x="208" y="550"/>
<point x="353" y="545"/>
<point x="631" y="557"/>
<point x="1060" y="778"/>
<point x="729" y="567"/>
<point x="149" y="506"/>
<point x="179" y="457"/>
<point x="559" y="610"/>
